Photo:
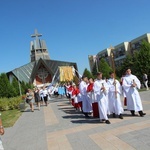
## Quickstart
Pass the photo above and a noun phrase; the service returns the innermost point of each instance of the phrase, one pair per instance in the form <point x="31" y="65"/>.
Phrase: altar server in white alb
<point x="115" y="90"/>
<point x="86" y="106"/>
<point x="131" y="84"/>
<point x="101" y="90"/>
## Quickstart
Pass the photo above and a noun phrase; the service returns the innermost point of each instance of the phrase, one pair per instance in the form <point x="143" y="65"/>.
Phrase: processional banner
<point x="66" y="73"/>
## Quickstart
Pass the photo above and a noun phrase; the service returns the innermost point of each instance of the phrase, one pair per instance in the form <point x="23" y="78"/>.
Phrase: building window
<point x="119" y="52"/>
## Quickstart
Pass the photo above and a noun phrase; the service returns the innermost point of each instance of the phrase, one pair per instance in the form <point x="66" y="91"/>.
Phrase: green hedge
<point x="10" y="103"/>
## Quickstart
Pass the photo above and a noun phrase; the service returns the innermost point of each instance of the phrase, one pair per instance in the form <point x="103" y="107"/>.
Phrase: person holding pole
<point x="131" y="84"/>
<point x="101" y="90"/>
<point x="115" y="90"/>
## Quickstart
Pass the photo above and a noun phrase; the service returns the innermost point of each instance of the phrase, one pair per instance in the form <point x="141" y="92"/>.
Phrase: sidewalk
<point x="59" y="127"/>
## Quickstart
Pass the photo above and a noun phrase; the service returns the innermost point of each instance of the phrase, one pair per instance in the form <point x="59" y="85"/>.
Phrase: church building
<point x="41" y="69"/>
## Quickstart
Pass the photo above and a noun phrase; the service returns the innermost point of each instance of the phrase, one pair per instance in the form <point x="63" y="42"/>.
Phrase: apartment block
<point x="136" y="43"/>
<point x="119" y="52"/>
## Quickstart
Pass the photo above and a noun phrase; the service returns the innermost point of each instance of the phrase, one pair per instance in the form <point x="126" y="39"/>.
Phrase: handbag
<point x="28" y="99"/>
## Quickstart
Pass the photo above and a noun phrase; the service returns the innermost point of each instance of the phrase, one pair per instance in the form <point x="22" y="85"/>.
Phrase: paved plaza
<point x="59" y="127"/>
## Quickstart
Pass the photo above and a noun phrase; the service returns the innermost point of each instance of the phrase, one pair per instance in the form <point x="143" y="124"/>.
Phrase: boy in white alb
<point x="115" y="90"/>
<point x="101" y="90"/>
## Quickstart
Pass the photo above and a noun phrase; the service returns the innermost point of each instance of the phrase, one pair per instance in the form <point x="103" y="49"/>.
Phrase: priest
<point x="131" y="84"/>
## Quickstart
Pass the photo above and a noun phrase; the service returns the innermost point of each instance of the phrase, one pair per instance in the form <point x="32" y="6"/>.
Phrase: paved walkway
<point x="59" y="127"/>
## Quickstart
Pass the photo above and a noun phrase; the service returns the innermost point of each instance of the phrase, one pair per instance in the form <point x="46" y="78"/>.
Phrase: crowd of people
<point x="40" y="96"/>
<point x="88" y="92"/>
<point x="107" y="94"/>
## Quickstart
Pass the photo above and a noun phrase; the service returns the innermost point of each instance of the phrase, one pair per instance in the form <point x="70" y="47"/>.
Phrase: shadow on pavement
<point x="91" y="121"/>
<point x="58" y="100"/>
<point x="78" y="117"/>
<point x="129" y="115"/>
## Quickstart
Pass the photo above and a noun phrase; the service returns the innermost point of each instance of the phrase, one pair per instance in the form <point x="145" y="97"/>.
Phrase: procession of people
<point x="98" y="95"/>
<point x="107" y="94"/>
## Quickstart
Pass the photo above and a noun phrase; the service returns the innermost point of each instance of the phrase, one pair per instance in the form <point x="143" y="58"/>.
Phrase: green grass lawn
<point x="9" y="117"/>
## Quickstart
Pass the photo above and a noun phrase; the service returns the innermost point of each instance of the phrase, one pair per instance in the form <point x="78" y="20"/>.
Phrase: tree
<point x="6" y="90"/>
<point x="104" y="68"/>
<point x="139" y="63"/>
<point x="128" y="63"/>
<point x="94" y="70"/>
<point x="143" y="60"/>
<point x="23" y="87"/>
<point x="29" y="86"/>
<point x="87" y="73"/>
<point x="16" y="87"/>
<point x="12" y="91"/>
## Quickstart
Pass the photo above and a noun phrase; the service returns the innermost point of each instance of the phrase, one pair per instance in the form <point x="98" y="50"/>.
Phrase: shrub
<point x="10" y="103"/>
<point x="4" y="104"/>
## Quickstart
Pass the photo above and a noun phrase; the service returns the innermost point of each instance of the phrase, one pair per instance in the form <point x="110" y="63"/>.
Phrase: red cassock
<point x="95" y="104"/>
<point x="75" y="92"/>
<point x="90" y="87"/>
<point x="70" y="88"/>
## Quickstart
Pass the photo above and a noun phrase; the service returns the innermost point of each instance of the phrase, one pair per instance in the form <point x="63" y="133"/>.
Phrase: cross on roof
<point x="36" y="34"/>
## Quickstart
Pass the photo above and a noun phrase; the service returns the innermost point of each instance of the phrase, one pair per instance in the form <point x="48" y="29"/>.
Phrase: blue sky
<point x="72" y="29"/>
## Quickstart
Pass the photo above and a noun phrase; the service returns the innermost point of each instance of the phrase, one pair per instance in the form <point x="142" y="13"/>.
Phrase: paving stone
<point x="68" y="129"/>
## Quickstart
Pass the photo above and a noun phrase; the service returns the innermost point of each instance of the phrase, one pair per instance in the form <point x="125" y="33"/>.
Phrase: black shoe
<point x="86" y="115"/>
<point x="114" y="115"/>
<point x="132" y="112"/>
<point x="107" y="122"/>
<point x="120" y="116"/>
<point x="141" y="113"/>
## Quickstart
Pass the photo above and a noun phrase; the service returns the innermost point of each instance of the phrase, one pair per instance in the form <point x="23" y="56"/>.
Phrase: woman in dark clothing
<point x="37" y="97"/>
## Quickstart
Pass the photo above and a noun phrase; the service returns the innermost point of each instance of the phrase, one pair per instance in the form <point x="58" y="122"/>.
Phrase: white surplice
<point x="91" y="97"/>
<point x="115" y="105"/>
<point x="86" y="105"/>
<point x="101" y="97"/>
<point x="132" y="94"/>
